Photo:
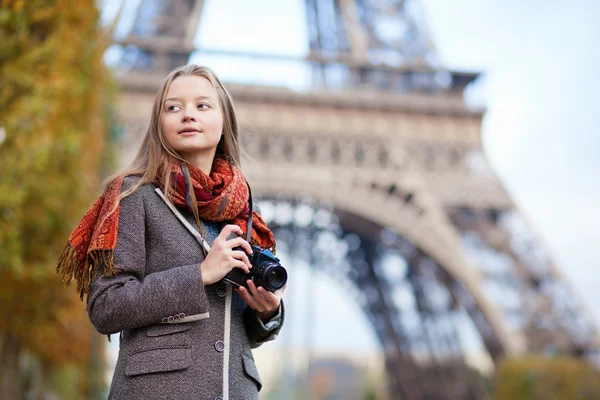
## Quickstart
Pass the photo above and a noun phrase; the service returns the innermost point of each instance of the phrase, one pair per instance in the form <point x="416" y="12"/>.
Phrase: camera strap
<point x="249" y="213"/>
<point x="186" y="224"/>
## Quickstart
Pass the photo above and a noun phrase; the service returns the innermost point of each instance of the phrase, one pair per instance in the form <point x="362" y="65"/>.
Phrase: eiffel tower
<point x="385" y="158"/>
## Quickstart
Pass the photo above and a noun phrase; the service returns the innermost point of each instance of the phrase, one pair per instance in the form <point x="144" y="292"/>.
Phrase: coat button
<point x="219" y="345"/>
<point x="218" y="398"/>
<point x="221" y="291"/>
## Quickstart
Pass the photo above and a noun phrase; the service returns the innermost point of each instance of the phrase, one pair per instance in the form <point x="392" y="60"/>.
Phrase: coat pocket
<point x="166" y="329"/>
<point x="159" y="360"/>
<point x="251" y="371"/>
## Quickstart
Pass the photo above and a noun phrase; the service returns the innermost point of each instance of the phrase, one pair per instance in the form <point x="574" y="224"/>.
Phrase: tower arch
<point x="358" y="198"/>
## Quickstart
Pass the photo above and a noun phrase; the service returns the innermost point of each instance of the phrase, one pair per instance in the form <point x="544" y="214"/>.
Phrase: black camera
<point x="266" y="271"/>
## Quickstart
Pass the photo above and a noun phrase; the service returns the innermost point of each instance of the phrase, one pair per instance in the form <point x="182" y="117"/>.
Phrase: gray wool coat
<point x="179" y="339"/>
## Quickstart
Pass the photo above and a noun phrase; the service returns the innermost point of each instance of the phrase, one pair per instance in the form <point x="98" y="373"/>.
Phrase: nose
<point x="189" y="114"/>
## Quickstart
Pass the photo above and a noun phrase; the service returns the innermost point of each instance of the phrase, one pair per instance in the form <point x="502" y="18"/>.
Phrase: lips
<point x="188" y="130"/>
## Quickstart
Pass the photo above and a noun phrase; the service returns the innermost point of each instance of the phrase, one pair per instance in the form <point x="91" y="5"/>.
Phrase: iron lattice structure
<point x="389" y="167"/>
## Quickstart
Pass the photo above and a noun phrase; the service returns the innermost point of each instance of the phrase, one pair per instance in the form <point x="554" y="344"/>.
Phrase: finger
<point x="270" y="296"/>
<point x="240" y="242"/>
<point x="279" y="292"/>
<point x="244" y="294"/>
<point x="269" y="300"/>
<point x="252" y="288"/>
<point x="228" y="230"/>
<point x="240" y="264"/>
<point x="262" y="296"/>
<point x="247" y="297"/>
<point x="240" y="255"/>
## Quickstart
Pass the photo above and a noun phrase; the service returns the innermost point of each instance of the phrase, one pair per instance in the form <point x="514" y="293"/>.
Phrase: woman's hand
<point x="261" y="300"/>
<point x="222" y="258"/>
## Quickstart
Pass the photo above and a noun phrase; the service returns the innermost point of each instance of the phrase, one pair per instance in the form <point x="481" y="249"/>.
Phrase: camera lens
<point x="275" y="277"/>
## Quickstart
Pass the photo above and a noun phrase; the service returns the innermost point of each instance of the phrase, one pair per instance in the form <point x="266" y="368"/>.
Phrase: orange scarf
<point x="220" y="197"/>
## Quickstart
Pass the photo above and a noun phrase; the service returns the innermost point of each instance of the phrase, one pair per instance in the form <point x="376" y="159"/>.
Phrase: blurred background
<point x="428" y="167"/>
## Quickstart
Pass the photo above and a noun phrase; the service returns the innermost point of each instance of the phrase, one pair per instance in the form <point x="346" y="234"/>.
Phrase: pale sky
<point x="541" y="89"/>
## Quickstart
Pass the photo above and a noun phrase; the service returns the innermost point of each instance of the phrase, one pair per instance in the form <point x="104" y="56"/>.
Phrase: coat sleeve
<point x="132" y="299"/>
<point x="259" y="332"/>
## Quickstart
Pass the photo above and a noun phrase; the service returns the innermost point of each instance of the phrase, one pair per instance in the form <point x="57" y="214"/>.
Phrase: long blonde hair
<point x="155" y="153"/>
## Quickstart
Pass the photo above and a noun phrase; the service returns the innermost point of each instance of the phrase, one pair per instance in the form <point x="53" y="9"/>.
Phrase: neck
<point x="204" y="161"/>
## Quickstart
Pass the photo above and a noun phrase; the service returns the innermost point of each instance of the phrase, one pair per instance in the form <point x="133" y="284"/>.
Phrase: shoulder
<point x="133" y="193"/>
<point x="131" y="181"/>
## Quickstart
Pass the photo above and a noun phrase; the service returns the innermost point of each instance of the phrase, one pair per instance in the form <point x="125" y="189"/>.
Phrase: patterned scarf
<point x="220" y="197"/>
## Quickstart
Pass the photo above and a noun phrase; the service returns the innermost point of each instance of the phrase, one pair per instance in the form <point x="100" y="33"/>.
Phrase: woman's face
<point x="192" y="120"/>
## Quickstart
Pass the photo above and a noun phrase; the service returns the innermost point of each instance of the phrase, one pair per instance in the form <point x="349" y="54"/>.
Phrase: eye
<point x="173" y="107"/>
<point x="203" y="106"/>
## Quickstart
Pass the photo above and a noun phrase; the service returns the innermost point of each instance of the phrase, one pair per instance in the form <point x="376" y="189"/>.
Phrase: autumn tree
<point x="548" y="378"/>
<point x="54" y="97"/>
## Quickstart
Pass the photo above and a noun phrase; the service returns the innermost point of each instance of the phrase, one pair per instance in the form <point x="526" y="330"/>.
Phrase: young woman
<point x="138" y="258"/>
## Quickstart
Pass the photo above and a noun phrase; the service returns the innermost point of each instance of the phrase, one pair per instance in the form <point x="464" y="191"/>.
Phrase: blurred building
<point x="375" y="173"/>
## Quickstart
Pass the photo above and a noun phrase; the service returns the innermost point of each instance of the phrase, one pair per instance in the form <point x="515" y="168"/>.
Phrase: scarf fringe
<point x="97" y="262"/>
